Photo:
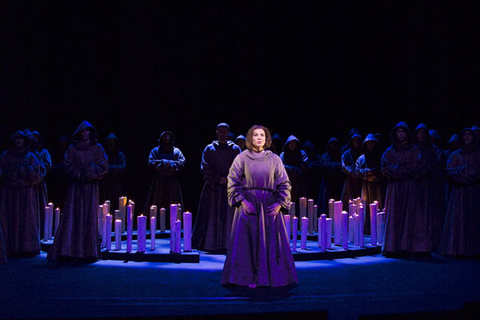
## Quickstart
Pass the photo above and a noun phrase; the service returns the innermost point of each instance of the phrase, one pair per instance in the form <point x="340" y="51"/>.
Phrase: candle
<point x="323" y="232"/>
<point x="344" y="230"/>
<point x="331" y="206"/>
<point x="338" y="222"/>
<point x="361" y="224"/>
<point x="141" y="233"/>
<point x="45" y="223"/>
<point x="100" y="221"/>
<point x="373" y="223"/>
<point x="122" y="208"/>
<point x="105" y="212"/>
<point x="314" y="218"/>
<point x="304" y="229"/>
<point x="178" y="236"/>
<point x="187" y="231"/>
<point x="288" y="227"/>
<point x="173" y="218"/>
<point x="292" y="210"/>
<point x="179" y="211"/>
<point x="57" y="219"/>
<point x="329" y="233"/>
<point x="129" y="218"/>
<point x="108" y="234"/>
<point x="311" y="219"/>
<point x="153" y="229"/>
<point x="103" y="231"/>
<point x="355" y="228"/>
<point x="118" y="234"/>
<point x="303" y="207"/>
<point x="351" y="230"/>
<point x="294" y="233"/>
<point x="153" y="212"/>
<point x="162" y="213"/>
<point x="380" y="227"/>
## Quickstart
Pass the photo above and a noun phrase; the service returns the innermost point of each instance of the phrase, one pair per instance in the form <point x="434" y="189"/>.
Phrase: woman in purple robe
<point x="112" y="185"/>
<point x="405" y="225"/>
<point x="167" y="162"/>
<point x="258" y="188"/>
<point x="214" y="216"/>
<point x="461" y="236"/>
<point x="19" y="212"/>
<point x="85" y="164"/>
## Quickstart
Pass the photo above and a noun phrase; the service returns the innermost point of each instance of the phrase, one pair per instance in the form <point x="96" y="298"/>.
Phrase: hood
<point x="19" y="134"/>
<point x="291" y="138"/>
<point x="240" y="137"/>
<point x="111" y="136"/>
<point x="434" y="134"/>
<point x="164" y="133"/>
<point x="85" y="125"/>
<point x="370" y="137"/>
<point x="309" y="147"/>
<point x="403" y="125"/>
<point x="422" y="126"/>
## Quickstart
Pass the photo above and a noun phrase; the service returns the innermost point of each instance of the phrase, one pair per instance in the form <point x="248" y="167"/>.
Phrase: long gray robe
<point x="259" y="250"/>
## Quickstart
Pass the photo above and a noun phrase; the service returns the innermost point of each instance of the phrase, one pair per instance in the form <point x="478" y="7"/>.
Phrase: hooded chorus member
<point x="85" y="164"/>
<point x="277" y="144"/>
<point x="400" y="164"/>
<point x="313" y="170"/>
<point x="353" y="184"/>
<point x="333" y="177"/>
<point x="19" y="212"/>
<point x="295" y="161"/>
<point x="112" y="185"/>
<point x="240" y="141"/>
<point x="461" y="236"/>
<point x="431" y="197"/>
<point x="258" y="187"/>
<point x="369" y="169"/>
<point x="167" y="162"/>
<point x="214" y="216"/>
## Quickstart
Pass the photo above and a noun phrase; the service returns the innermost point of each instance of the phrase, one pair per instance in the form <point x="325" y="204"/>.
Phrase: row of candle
<point x="51" y="222"/>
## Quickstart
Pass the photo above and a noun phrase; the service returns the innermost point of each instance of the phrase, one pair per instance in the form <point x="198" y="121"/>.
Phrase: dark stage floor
<point x="350" y="288"/>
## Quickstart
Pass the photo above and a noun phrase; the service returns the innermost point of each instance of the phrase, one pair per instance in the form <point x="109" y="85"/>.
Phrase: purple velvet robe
<point x="19" y="212"/>
<point x="77" y="235"/>
<point x="214" y="216"/>
<point x="259" y="249"/>
<point x="461" y="232"/>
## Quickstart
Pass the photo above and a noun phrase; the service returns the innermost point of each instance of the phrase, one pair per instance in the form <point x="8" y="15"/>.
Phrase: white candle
<point x="288" y="227"/>
<point x="329" y="233"/>
<point x="361" y="224"/>
<point x="129" y="218"/>
<point x="319" y="238"/>
<point x="314" y="218"/>
<point x="303" y="239"/>
<point x="187" y="231"/>
<point x="122" y="208"/>
<point x="373" y="223"/>
<point x="118" y="234"/>
<point x="57" y="220"/>
<point x="100" y="221"/>
<point x="294" y="233"/>
<point x="141" y="233"/>
<point x="355" y="228"/>
<point x="178" y="236"/>
<point x="103" y="231"/>
<point x="323" y="231"/>
<point x="344" y="230"/>
<point x="173" y="218"/>
<point x="351" y="230"/>
<point x="153" y="229"/>
<point x="45" y="223"/>
<point x="108" y="205"/>
<point x="108" y="233"/>
<point x="105" y="212"/>
<point x="292" y="210"/>
<point x="162" y="219"/>
<point x="380" y="227"/>
<point x="311" y="218"/>
<point x="303" y="206"/>
<point x="338" y="222"/>
<point x="179" y="211"/>
<point x="153" y="211"/>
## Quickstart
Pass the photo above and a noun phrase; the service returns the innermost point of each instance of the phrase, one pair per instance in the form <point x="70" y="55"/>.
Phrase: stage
<point x="364" y="287"/>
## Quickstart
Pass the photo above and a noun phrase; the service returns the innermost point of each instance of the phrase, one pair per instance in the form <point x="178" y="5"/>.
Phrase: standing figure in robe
<point x="313" y="170"/>
<point x="461" y="236"/>
<point x="259" y="251"/>
<point x="405" y="229"/>
<point x="214" y="215"/>
<point x="352" y="187"/>
<point x="85" y="164"/>
<point x="19" y="212"/>
<point x="167" y="162"/>
<point x="113" y="184"/>
<point x="295" y="161"/>
<point x="57" y="179"/>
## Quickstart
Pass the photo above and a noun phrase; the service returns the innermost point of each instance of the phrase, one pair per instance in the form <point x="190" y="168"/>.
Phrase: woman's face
<point x="258" y="139"/>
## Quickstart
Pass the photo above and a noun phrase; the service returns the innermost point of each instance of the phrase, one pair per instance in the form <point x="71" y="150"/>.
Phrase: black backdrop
<point x="312" y="68"/>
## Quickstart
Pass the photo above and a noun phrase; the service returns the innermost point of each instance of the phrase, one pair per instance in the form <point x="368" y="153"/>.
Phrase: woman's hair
<point x="268" y="137"/>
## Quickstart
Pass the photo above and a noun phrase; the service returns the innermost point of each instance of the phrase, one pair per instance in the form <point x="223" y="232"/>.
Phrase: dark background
<point x="314" y="69"/>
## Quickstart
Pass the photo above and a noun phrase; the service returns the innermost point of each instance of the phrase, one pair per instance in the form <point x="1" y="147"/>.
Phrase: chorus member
<point x="113" y="184"/>
<point x="258" y="188"/>
<point x="295" y="161"/>
<point x="353" y="184"/>
<point x="85" y="164"/>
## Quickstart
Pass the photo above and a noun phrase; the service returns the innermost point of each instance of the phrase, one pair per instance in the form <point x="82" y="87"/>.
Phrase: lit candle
<point x="162" y="219"/>
<point x="329" y="233"/>
<point x="57" y="219"/>
<point x="100" y="222"/>
<point x="105" y="212"/>
<point x="129" y="217"/>
<point x="104" y="226"/>
<point x="118" y="234"/>
<point x="314" y="218"/>
<point x="178" y="236"/>
<point x="351" y="230"/>
<point x="122" y="208"/>
<point x="331" y="208"/>
<point x="355" y="228"/>
<point x="373" y="223"/>
<point x="311" y="219"/>
<point x="179" y="211"/>
<point x="153" y="213"/>
<point x="361" y="224"/>
<point x="303" y="239"/>
<point x="380" y="227"/>
<point x="323" y="231"/>
<point x="344" y="230"/>
<point x="303" y="207"/>
<point x="173" y="218"/>
<point x="108" y="233"/>
<point x="288" y="226"/>
<point x="153" y="229"/>
<point x="338" y="222"/>
<point x="294" y="233"/>
<point x="141" y="233"/>
<point x="45" y="224"/>
<point x="108" y="205"/>
<point x="319" y="238"/>
<point x="187" y="231"/>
